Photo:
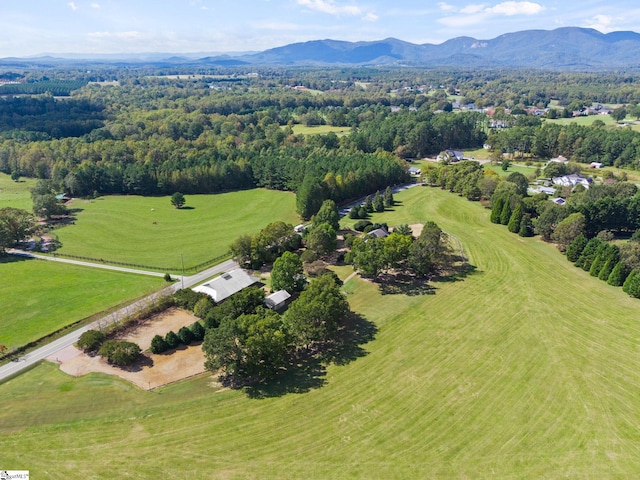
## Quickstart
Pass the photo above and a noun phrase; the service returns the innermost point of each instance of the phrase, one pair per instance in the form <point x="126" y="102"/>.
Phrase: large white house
<point x="573" y="180"/>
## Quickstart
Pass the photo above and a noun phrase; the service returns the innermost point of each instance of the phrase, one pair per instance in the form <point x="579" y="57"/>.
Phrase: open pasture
<point x="16" y="194"/>
<point x="39" y="297"/>
<point x="526" y="368"/>
<point x="320" y="130"/>
<point x="149" y="231"/>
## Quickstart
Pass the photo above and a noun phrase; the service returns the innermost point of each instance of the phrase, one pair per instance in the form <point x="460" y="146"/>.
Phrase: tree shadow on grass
<point x="307" y="368"/>
<point x="457" y="273"/>
<point x="13" y="258"/>
<point x="404" y="284"/>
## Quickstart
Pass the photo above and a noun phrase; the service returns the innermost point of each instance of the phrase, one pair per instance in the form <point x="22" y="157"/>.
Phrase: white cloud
<point x="95" y="5"/>
<point x="516" y="8"/>
<point x="119" y="35"/>
<point x="472" y="9"/>
<point x="330" y="7"/>
<point x="72" y="6"/>
<point x="370" y="17"/>
<point x="445" y="7"/>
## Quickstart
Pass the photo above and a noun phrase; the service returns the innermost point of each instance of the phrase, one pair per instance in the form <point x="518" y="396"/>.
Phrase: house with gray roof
<point x="222" y="287"/>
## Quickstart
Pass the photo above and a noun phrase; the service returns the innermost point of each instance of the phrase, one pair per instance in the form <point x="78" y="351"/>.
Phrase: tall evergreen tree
<point x="515" y="219"/>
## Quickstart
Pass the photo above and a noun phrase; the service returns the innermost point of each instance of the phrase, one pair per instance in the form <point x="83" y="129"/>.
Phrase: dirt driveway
<point x="151" y="370"/>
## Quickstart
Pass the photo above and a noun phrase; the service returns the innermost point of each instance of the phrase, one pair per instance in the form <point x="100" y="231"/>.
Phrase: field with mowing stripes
<point x="149" y="231"/>
<point x="526" y="368"/>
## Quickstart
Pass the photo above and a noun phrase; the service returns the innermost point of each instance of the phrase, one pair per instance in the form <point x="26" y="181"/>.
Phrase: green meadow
<point x="39" y="297"/>
<point x="16" y="194"/>
<point x="149" y="231"/>
<point x="320" y="130"/>
<point x="525" y="368"/>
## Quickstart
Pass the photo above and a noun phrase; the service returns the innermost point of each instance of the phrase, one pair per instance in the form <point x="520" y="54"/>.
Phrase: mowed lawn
<point x="16" y="194"/>
<point x="39" y="297"/>
<point x="526" y="368"/>
<point x="149" y="231"/>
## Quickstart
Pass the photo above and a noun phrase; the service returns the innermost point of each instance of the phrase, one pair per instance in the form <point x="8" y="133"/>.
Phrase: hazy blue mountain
<point x="562" y="48"/>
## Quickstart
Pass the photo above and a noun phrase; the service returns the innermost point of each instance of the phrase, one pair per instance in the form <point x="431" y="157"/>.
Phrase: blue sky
<point x="30" y="27"/>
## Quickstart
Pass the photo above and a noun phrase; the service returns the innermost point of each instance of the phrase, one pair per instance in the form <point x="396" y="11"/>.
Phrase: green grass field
<point x="320" y="130"/>
<point x="40" y="297"/>
<point x="512" y="168"/>
<point x="527" y="368"/>
<point x="16" y="194"/>
<point x="149" y="231"/>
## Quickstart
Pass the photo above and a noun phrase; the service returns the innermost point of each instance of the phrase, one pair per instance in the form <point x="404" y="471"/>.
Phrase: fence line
<point x="193" y="268"/>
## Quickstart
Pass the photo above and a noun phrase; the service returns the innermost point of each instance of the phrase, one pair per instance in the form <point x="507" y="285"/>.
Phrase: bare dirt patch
<point x="151" y="370"/>
<point x="416" y="229"/>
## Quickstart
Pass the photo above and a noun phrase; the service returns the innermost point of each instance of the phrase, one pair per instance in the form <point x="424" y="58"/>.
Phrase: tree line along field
<point x="40" y="297"/>
<point x="149" y="231"/>
<point x="526" y="368"/>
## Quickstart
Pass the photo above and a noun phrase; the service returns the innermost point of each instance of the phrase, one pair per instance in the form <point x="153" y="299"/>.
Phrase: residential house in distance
<point x="452" y="155"/>
<point x="222" y="287"/>
<point x="414" y="171"/>
<point x="558" y="201"/>
<point x="596" y="165"/>
<point x="573" y="180"/>
<point x="378" y="233"/>
<point x="558" y="159"/>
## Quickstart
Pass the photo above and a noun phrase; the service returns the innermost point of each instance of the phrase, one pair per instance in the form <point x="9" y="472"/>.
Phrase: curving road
<point x="56" y="346"/>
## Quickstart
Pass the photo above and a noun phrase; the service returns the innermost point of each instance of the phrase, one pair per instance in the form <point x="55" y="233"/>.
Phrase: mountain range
<point x="563" y="48"/>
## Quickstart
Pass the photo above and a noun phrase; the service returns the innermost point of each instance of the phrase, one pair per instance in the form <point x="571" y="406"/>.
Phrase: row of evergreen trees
<point x="603" y="260"/>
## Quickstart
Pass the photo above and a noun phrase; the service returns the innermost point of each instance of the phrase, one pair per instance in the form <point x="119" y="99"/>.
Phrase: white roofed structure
<point x="227" y="284"/>
<point x="277" y="299"/>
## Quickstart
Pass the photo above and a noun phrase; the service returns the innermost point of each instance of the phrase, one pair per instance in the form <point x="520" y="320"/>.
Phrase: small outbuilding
<point x="277" y="300"/>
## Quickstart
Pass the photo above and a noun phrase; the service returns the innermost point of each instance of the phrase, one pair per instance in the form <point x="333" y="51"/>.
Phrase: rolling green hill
<point x="526" y="368"/>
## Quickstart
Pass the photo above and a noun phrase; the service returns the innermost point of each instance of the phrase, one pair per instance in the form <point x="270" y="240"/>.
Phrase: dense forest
<point x="152" y="134"/>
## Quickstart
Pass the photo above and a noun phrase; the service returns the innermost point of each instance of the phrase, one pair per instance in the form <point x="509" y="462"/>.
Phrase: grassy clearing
<point x="16" y="194"/>
<point x="512" y="168"/>
<point x="528" y="368"/>
<point x="320" y="130"/>
<point x="40" y="297"/>
<point x="149" y="231"/>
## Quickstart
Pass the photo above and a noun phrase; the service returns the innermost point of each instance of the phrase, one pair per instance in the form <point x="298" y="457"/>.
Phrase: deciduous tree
<point x="287" y="273"/>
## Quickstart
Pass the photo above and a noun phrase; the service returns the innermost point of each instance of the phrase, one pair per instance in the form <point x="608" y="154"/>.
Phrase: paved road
<point x="56" y="346"/>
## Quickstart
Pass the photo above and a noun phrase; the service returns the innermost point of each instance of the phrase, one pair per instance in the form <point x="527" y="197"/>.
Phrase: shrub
<point x="158" y="345"/>
<point x="187" y="298"/>
<point x="119" y="353"/>
<point x="167" y="278"/>
<point x="360" y="225"/>
<point x="91" y="340"/>
<point x="185" y="336"/>
<point x="172" y="339"/>
<point x="308" y="256"/>
<point x="202" y="307"/>
<point x="198" y="331"/>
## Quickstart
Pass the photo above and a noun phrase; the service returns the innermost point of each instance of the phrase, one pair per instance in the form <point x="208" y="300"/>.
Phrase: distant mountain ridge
<point x="562" y="48"/>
